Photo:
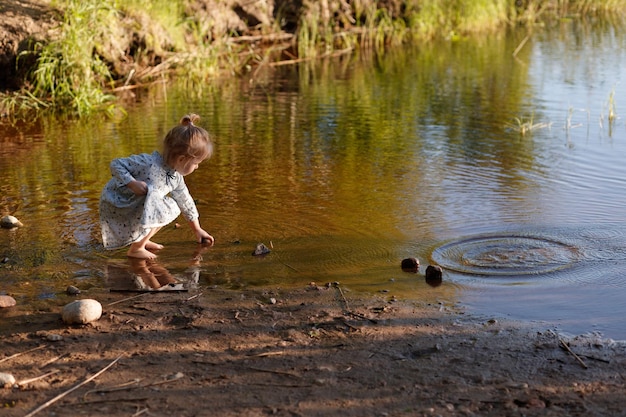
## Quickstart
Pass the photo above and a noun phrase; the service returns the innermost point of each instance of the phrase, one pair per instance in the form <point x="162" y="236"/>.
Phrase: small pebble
<point x="261" y="249"/>
<point x="72" y="290"/>
<point x="6" y="301"/>
<point x="410" y="265"/>
<point x="81" y="311"/>
<point x="9" y="222"/>
<point x="434" y="275"/>
<point x="6" y="380"/>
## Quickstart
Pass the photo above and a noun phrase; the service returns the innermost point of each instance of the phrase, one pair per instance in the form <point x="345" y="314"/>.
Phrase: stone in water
<point x="261" y="249"/>
<point x="9" y="222"/>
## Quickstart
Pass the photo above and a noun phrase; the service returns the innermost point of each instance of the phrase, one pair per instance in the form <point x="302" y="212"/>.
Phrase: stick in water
<point x="583" y="364"/>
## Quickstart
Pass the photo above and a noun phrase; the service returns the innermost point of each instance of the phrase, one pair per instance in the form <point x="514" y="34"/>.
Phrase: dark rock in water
<point x="72" y="290"/>
<point x="410" y="265"/>
<point x="434" y="275"/>
<point x="261" y="249"/>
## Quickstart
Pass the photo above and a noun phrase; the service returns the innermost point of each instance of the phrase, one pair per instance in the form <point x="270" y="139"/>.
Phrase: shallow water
<point x="344" y="168"/>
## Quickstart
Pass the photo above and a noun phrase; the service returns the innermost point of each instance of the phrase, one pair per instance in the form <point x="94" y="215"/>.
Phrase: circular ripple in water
<point x="506" y="255"/>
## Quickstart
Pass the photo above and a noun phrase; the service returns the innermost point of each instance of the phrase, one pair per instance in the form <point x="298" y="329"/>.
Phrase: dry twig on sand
<point x="127" y="299"/>
<point x="567" y="348"/>
<point x="134" y="384"/>
<point x="75" y="387"/>
<point x="22" y="353"/>
<point x="37" y="378"/>
<point x="347" y="308"/>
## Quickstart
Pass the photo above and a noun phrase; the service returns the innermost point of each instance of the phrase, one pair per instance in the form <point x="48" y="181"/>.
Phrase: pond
<point x="503" y="160"/>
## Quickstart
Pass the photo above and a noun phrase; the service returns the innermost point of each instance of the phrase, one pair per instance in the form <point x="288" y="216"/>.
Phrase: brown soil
<point x="316" y="351"/>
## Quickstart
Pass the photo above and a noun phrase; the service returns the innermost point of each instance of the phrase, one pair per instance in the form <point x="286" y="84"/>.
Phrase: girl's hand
<point x="201" y="235"/>
<point x="138" y="187"/>
<point x="204" y="237"/>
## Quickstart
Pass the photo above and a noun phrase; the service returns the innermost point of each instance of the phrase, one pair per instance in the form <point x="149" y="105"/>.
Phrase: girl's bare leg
<point x="140" y="248"/>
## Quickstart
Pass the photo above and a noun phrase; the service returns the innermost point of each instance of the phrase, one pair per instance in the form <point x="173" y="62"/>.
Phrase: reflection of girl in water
<point x="150" y="275"/>
<point x="148" y="191"/>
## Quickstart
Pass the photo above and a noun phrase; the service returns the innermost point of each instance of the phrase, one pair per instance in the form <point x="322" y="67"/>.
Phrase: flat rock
<point x="81" y="311"/>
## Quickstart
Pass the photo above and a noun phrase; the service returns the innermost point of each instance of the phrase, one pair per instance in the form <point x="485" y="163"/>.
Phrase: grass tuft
<point x="526" y="126"/>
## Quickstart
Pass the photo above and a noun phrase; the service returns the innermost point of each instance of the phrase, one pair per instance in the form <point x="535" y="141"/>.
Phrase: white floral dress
<point x="125" y="217"/>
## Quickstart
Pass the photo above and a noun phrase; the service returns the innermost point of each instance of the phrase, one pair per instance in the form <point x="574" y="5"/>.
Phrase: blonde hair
<point x="187" y="140"/>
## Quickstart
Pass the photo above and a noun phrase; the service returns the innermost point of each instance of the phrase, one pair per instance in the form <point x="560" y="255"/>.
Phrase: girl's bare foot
<point x="150" y="245"/>
<point x="140" y="254"/>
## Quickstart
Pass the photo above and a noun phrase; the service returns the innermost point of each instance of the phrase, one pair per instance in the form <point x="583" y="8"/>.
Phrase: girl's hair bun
<point x="189" y="119"/>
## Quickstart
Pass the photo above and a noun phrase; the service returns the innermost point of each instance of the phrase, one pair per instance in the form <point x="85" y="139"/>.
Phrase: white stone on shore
<point x="6" y="380"/>
<point x="9" y="222"/>
<point x="54" y="337"/>
<point x="6" y="301"/>
<point x="81" y="311"/>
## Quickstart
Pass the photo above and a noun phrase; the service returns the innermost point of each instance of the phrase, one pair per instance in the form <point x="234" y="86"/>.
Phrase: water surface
<point x="343" y="168"/>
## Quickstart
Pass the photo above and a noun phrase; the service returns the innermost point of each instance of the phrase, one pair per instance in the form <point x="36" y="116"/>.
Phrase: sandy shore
<point x="314" y="351"/>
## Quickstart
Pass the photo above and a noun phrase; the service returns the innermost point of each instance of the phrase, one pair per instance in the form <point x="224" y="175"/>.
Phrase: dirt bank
<point x="316" y="351"/>
<point x="22" y="22"/>
<point x="139" y="45"/>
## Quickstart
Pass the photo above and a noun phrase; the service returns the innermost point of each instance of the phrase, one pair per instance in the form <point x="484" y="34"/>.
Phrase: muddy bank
<point x="22" y="23"/>
<point x="302" y="352"/>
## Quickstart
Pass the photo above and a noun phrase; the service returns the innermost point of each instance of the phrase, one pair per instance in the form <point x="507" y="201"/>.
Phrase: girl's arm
<point x="138" y="187"/>
<point x="190" y="211"/>
<point x="124" y="170"/>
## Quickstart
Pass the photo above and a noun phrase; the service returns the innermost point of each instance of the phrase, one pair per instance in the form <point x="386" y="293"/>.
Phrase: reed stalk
<point x="68" y="72"/>
<point x="527" y="125"/>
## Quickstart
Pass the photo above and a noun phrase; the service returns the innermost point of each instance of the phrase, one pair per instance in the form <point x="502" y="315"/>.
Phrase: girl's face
<point x="186" y="166"/>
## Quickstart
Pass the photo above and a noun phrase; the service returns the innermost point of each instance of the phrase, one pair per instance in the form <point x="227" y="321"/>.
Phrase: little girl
<point x="148" y="191"/>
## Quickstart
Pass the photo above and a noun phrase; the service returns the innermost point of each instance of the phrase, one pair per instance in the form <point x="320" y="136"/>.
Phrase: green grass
<point x="68" y="74"/>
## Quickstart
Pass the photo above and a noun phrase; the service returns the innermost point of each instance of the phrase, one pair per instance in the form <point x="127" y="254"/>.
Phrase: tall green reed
<point x="69" y="75"/>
